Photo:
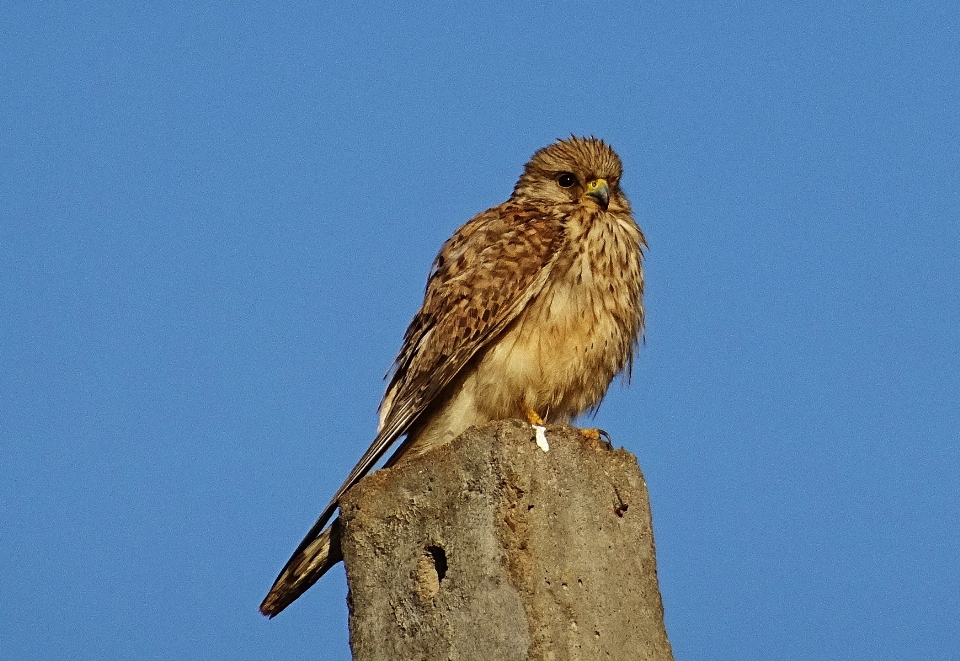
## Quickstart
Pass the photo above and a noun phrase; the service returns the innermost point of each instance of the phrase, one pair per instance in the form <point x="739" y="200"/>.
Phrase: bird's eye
<point x="566" y="179"/>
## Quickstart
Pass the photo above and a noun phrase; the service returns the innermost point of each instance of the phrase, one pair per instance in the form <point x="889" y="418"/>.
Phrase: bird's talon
<point x="597" y="436"/>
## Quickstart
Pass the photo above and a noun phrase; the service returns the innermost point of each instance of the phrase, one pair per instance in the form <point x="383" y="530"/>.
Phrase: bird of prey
<point x="531" y="308"/>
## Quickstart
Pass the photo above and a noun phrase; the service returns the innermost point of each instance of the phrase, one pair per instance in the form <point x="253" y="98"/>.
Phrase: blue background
<point x="216" y="222"/>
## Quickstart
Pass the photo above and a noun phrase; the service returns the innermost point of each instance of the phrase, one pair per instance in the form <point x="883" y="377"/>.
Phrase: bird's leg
<point x="532" y="416"/>
<point x="539" y="426"/>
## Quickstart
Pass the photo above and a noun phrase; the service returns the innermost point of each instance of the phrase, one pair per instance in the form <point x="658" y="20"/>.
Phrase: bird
<point x="531" y="309"/>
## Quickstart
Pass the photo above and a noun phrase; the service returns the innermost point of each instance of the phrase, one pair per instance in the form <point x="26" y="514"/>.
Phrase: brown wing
<point x="482" y="279"/>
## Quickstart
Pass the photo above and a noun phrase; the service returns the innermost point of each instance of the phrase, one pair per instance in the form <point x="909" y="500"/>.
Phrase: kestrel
<point x="531" y="308"/>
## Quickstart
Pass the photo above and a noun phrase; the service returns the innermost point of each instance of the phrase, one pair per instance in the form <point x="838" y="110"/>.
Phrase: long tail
<point x="320" y="549"/>
<point x="304" y="569"/>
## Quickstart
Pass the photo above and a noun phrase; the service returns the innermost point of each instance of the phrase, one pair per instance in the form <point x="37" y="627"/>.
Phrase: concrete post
<point x="490" y="548"/>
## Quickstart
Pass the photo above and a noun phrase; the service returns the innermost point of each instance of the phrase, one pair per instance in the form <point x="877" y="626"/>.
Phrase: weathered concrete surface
<point x="489" y="548"/>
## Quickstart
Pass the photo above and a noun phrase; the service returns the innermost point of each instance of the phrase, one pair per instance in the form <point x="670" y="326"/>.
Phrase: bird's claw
<point x="597" y="436"/>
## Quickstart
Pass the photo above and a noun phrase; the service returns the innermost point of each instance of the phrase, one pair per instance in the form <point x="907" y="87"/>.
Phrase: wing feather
<point x="482" y="279"/>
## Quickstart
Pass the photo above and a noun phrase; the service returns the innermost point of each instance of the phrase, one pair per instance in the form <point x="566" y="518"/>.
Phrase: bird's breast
<point x="561" y="353"/>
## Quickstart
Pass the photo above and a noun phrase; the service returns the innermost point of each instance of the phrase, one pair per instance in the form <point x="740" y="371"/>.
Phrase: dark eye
<point x="566" y="179"/>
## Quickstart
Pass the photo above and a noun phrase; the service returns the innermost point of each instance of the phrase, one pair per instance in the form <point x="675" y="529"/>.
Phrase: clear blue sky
<point x="215" y="224"/>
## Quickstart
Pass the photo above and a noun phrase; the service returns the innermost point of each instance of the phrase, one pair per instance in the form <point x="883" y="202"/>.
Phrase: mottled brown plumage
<point x="533" y="305"/>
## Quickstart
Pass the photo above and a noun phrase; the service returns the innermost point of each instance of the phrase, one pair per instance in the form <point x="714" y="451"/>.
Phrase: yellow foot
<point x="595" y="436"/>
<point x="532" y="416"/>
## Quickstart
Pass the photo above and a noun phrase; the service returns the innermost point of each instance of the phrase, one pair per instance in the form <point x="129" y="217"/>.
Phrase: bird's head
<point x="574" y="171"/>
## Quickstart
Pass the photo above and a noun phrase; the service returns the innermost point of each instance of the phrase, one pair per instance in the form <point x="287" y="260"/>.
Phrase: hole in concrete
<point x="439" y="557"/>
<point x="431" y="569"/>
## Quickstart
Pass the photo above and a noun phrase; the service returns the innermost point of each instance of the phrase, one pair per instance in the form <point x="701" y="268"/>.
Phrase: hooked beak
<point x="600" y="191"/>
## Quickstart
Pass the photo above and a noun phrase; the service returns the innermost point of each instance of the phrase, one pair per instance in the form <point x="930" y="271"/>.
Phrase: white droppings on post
<point x="542" y="438"/>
